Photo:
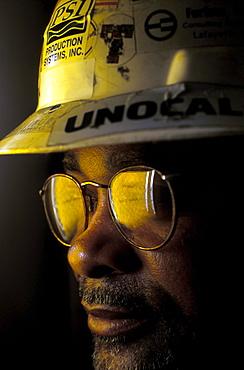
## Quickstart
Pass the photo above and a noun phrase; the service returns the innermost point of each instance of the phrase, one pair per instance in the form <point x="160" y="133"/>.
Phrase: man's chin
<point x="155" y="347"/>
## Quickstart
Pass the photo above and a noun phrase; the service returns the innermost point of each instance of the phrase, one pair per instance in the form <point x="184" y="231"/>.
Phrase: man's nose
<point x="101" y="249"/>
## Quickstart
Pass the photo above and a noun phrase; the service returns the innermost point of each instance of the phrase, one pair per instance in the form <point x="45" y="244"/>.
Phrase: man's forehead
<point x="172" y="157"/>
<point x="113" y="158"/>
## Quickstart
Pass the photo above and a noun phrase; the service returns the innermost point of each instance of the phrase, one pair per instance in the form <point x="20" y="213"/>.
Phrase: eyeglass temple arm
<point x="169" y="177"/>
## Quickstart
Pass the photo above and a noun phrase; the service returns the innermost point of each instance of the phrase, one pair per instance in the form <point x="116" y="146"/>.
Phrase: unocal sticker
<point x="158" y="108"/>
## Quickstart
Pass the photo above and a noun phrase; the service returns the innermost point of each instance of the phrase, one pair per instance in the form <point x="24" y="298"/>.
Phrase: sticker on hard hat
<point x="175" y="24"/>
<point x="66" y="35"/>
<point x="177" y="112"/>
<point x="178" y="106"/>
<point x="66" y="41"/>
<point x="115" y="42"/>
<point x="161" y="25"/>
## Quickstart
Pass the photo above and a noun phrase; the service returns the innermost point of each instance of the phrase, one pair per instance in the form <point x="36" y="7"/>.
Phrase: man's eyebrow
<point x="120" y="159"/>
<point x="70" y="162"/>
<point x="116" y="160"/>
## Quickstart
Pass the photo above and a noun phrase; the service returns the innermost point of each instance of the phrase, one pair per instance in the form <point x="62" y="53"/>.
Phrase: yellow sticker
<point x="65" y="38"/>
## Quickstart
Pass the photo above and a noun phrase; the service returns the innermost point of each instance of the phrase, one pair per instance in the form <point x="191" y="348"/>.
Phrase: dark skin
<point x="161" y="309"/>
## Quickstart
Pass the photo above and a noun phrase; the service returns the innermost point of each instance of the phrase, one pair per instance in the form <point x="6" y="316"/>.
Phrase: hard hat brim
<point x="176" y="112"/>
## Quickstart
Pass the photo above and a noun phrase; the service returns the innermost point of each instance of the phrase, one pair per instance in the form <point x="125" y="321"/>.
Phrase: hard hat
<point x="125" y="71"/>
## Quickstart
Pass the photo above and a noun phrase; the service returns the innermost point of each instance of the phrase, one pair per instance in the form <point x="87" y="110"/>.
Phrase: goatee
<point x="163" y="342"/>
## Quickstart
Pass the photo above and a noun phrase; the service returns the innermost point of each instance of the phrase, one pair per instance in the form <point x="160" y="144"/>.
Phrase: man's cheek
<point x="172" y="271"/>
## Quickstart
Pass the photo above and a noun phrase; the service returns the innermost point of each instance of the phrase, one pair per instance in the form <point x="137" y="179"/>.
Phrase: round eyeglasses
<point x="141" y="203"/>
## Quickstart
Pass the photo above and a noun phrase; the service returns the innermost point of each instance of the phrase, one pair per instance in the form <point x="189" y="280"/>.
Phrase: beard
<point x="166" y="339"/>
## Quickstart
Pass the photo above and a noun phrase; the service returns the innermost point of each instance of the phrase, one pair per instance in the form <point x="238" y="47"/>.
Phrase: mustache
<point x="142" y="299"/>
<point x="116" y="294"/>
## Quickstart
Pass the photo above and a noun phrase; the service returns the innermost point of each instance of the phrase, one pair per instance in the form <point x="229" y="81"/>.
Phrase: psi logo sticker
<point x="69" y="19"/>
<point x="66" y="34"/>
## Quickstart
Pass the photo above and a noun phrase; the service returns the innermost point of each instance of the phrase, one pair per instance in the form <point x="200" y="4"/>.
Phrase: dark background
<point x="41" y="320"/>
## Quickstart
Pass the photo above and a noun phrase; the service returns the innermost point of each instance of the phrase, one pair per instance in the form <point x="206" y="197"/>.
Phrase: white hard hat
<point x="128" y="71"/>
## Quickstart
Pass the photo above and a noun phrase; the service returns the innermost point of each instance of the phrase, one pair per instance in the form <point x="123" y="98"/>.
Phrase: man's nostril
<point x="101" y="272"/>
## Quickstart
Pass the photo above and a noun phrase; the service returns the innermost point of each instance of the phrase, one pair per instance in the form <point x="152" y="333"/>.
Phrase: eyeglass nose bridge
<point x="89" y="208"/>
<point x="96" y="184"/>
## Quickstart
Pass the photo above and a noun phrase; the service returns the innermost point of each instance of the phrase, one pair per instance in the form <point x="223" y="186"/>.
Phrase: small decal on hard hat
<point x="116" y="42"/>
<point x="161" y="25"/>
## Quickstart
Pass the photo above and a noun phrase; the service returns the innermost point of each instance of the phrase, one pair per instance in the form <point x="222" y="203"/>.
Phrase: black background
<point x="41" y="319"/>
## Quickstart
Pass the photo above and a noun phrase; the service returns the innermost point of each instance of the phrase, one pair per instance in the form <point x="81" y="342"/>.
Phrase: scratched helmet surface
<point x="134" y="71"/>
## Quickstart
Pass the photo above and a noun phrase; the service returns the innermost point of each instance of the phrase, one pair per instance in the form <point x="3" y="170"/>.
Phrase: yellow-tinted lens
<point x="131" y="191"/>
<point x="65" y="209"/>
<point x="142" y="206"/>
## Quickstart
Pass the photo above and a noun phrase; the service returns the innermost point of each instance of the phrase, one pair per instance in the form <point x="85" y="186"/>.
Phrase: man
<point x="150" y="202"/>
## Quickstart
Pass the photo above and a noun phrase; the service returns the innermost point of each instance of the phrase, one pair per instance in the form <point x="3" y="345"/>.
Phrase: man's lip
<point x="109" y="321"/>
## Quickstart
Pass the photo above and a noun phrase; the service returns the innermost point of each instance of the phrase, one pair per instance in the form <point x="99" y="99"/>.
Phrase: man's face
<point x="141" y="304"/>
